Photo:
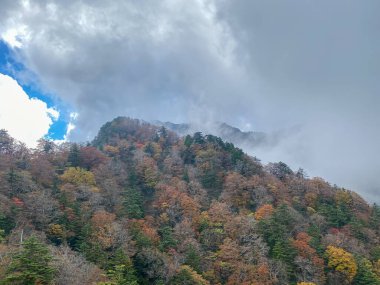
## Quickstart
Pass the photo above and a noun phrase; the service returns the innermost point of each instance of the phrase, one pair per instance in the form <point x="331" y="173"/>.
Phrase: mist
<point x="306" y="69"/>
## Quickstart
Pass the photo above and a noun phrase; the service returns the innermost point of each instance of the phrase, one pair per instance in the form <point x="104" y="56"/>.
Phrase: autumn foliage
<point x="341" y="261"/>
<point x="264" y="212"/>
<point x="140" y="205"/>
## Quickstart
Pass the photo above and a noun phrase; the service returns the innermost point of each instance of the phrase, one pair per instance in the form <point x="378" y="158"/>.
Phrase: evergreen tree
<point x="188" y="141"/>
<point x="31" y="265"/>
<point x="167" y="239"/>
<point x="122" y="271"/>
<point x="365" y="274"/>
<point x="7" y="223"/>
<point x="133" y="203"/>
<point x="192" y="258"/>
<point x="74" y="156"/>
<point x="119" y="276"/>
<point x="375" y="217"/>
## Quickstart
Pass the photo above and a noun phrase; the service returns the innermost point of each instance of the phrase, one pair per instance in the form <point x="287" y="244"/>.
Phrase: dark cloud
<point x="318" y="64"/>
<point x="310" y="66"/>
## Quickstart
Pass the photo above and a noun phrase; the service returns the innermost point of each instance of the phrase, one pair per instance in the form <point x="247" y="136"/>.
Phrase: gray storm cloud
<point x="272" y="65"/>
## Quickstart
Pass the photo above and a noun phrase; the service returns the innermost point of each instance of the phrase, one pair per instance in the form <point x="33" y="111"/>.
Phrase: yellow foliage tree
<point x="376" y="267"/>
<point x="341" y="261"/>
<point x="343" y="197"/>
<point x="78" y="176"/>
<point x="305" y="283"/>
<point x="186" y="275"/>
<point x="56" y="230"/>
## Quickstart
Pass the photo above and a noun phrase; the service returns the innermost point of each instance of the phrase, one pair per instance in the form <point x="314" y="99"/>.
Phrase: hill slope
<point x="227" y="133"/>
<point x="141" y="205"/>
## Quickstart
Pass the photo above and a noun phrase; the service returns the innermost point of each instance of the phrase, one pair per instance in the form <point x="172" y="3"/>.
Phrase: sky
<point x="308" y="69"/>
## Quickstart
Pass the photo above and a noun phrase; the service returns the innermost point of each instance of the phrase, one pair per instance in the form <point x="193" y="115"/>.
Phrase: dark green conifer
<point x="31" y="265"/>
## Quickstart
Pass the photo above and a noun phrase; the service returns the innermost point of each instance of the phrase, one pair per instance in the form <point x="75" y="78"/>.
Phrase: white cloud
<point x="26" y="119"/>
<point x="15" y="36"/>
<point x="255" y="64"/>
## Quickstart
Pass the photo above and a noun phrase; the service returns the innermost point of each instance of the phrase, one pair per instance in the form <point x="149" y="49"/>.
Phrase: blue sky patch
<point x="9" y="66"/>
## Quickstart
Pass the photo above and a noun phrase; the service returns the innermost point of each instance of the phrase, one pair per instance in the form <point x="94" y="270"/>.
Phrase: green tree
<point x="133" y="203"/>
<point x="120" y="276"/>
<point x="192" y="258"/>
<point x="187" y="276"/>
<point x="276" y="232"/>
<point x="375" y="217"/>
<point x="167" y="239"/>
<point x="365" y="274"/>
<point x="122" y="269"/>
<point x="74" y="156"/>
<point x="31" y="265"/>
<point x="7" y="223"/>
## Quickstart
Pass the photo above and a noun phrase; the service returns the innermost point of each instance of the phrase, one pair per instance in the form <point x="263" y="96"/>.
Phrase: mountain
<point x="143" y="205"/>
<point x="226" y="132"/>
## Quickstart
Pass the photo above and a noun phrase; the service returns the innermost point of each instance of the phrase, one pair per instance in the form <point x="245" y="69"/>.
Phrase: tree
<point x="342" y="262"/>
<point x="192" y="258"/>
<point x="365" y="275"/>
<point x="280" y="170"/>
<point x="120" y="275"/>
<point x="148" y="172"/>
<point x="2" y="235"/>
<point x="309" y="265"/>
<point x="264" y="212"/>
<point x="235" y="190"/>
<point x="187" y="276"/>
<point x="32" y="265"/>
<point x="122" y="271"/>
<point x="78" y="176"/>
<point x="276" y="232"/>
<point x="73" y="159"/>
<point x="73" y="268"/>
<point x="6" y="142"/>
<point x="133" y="203"/>
<point x="167" y="239"/>
<point x="91" y="157"/>
<point x="104" y="229"/>
<point x="151" y="264"/>
<point x="375" y="217"/>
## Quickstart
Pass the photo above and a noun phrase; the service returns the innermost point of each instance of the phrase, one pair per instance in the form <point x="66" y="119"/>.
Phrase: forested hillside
<point x="140" y="205"/>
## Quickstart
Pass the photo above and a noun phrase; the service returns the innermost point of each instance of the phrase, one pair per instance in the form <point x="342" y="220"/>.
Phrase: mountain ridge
<point x="142" y="205"/>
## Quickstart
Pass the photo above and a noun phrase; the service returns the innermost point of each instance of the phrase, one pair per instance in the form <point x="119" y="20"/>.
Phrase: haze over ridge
<point x="308" y="67"/>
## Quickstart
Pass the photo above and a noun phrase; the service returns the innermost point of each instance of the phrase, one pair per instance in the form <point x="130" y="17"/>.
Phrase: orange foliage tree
<point x="103" y="229"/>
<point x="264" y="212"/>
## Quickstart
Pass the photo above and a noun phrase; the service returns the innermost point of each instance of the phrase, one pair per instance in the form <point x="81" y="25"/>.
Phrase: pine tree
<point x="167" y="239"/>
<point x="74" y="156"/>
<point x="375" y="217"/>
<point x="192" y="258"/>
<point x="122" y="271"/>
<point x="31" y="265"/>
<point x="133" y="203"/>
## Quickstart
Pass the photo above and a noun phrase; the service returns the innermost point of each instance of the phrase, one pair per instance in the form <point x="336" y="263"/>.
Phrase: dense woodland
<point x="140" y="205"/>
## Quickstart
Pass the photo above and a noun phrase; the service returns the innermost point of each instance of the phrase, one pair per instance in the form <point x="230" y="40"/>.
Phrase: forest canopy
<point x="140" y="205"/>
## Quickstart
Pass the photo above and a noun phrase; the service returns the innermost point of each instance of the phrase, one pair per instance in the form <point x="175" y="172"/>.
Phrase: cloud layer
<point x="274" y="65"/>
<point x="25" y="119"/>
